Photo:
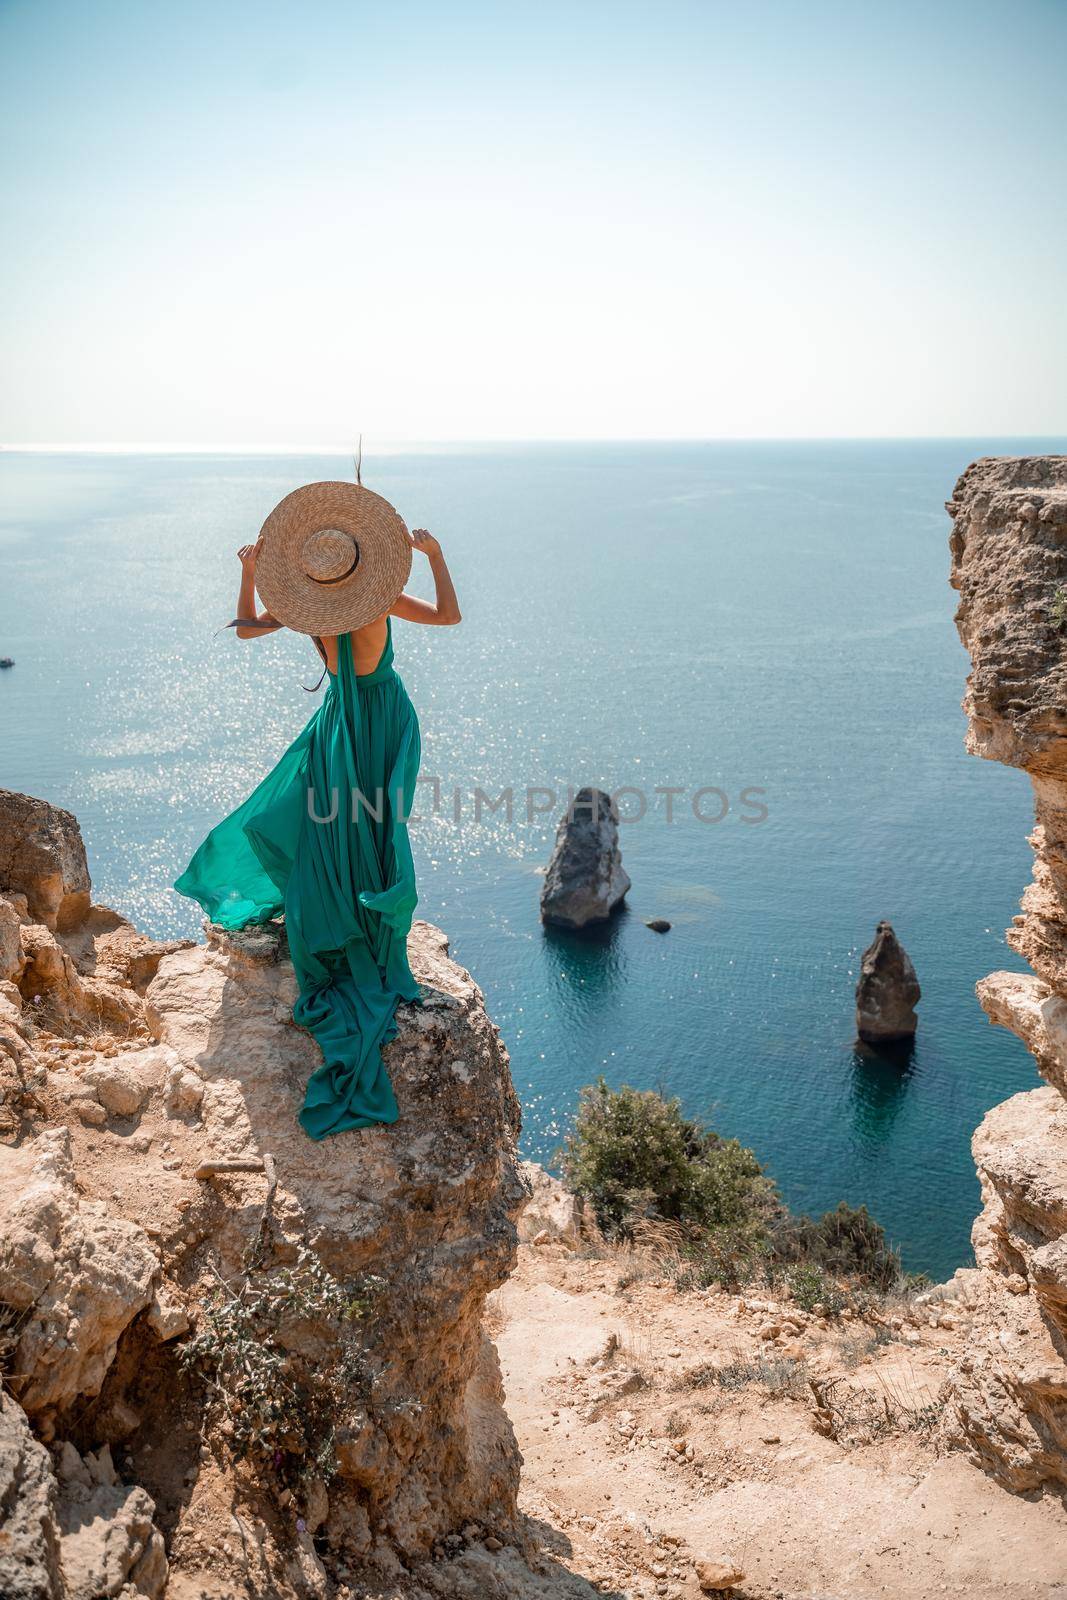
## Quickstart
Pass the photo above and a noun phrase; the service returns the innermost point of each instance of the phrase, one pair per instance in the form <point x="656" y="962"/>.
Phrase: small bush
<point x="705" y="1207"/>
<point x="776" y="1375"/>
<point x="1058" y="609"/>
<point x="814" y="1291"/>
<point x="730" y="1257"/>
<point x="277" y="1402"/>
<point x="846" y="1242"/>
<point x="635" y="1156"/>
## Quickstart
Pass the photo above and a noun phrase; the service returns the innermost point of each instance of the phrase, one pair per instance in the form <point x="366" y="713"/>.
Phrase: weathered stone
<point x="1008" y="569"/>
<point x="428" y="1204"/>
<point x="1009" y="550"/>
<point x="113" y="1236"/>
<point x="888" y="990"/>
<point x="109" y="1544"/>
<point x="585" y="881"/>
<point x="79" y="1275"/>
<point x="717" y="1577"/>
<point x="1032" y="1009"/>
<point x="11" y="958"/>
<point x="42" y="856"/>
<point x="29" y="1532"/>
<point x="117" y="1088"/>
<point x="551" y="1208"/>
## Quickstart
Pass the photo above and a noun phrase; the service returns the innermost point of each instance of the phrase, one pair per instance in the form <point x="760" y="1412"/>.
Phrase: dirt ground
<point x="662" y="1430"/>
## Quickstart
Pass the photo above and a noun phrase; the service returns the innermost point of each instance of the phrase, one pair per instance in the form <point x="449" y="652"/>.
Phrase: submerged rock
<point x="658" y="924"/>
<point x="585" y="881"/>
<point x="887" y="991"/>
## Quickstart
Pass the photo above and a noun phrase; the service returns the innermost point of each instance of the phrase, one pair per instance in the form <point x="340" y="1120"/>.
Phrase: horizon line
<point x="397" y="446"/>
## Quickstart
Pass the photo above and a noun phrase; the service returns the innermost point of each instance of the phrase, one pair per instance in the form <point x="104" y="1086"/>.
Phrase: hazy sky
<point x="259" y="223"/>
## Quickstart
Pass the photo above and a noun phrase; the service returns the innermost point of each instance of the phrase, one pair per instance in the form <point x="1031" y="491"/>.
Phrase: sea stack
<point x="887" y="992"/>
<point x="585" y="881"/>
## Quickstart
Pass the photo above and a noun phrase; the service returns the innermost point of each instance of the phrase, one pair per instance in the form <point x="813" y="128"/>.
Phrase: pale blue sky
<point x="271" y="224"/>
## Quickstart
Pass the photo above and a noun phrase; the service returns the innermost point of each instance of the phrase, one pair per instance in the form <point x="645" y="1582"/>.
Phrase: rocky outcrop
<point x="585" y="881"/>
<point x="888" y="990"/>
<point x="29" y="1530"/>
<point x="552" y="1211"/>
<point x="1009" y="555"/>
<point x="157" y="1194"/>
<point x="42" y="857"/>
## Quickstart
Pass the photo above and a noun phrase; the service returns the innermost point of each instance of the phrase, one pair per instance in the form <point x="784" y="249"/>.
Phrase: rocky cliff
<point x="233" y="1358"/>
<point x="1009" y="564"/>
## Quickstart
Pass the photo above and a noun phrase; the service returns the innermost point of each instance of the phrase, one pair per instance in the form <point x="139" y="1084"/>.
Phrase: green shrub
<point x="635" y="1157"/>
<point x="279" y="1399"/>
<point x="638" y="1161"/>
<point x="730" y="1257"/>
<point x="814" y="1291"/>
<point x="846" y="1242"/>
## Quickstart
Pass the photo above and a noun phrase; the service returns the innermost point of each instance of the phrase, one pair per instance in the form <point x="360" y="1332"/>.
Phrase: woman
<point x="324" y="836"/>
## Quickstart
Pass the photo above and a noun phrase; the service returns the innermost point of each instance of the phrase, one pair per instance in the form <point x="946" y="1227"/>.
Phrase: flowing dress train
<point x="324" y="839"/>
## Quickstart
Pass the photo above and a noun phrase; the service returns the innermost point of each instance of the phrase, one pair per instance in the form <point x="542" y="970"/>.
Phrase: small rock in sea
<point x="888" y="990"/>
<point x="658" y="924"/>
<point x="585" y="881"/>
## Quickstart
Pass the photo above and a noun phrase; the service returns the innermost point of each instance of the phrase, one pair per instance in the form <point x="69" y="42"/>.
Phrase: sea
<point x="753" y="641"/>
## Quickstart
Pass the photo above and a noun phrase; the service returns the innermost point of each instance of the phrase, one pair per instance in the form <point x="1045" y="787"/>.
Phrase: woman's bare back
<point x="367" y="646"/>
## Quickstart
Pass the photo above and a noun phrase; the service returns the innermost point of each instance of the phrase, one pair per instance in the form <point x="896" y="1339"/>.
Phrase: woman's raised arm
<point x="443" y="611"/>
<point x="250" y="624"/>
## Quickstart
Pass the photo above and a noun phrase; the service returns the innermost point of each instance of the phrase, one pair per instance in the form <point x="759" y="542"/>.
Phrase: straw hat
<point x="335" y="556"/>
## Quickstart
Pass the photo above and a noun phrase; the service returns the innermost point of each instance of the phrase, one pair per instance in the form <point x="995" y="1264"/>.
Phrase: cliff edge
<point x="236" y="1362"/>
<point x="1009" y="564"/>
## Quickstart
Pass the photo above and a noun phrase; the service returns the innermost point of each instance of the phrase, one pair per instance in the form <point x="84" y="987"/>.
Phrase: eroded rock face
<point x="42" y="856"/>
<point x="888" y="990"/>
<point x="552" y="1211"/>
<point x="75" y="1276"/>
<point x="585" y="881"/>
<point x="1009" y="552"/>
<point x="153" y="1153"/>
<point x="29" y="1531"/>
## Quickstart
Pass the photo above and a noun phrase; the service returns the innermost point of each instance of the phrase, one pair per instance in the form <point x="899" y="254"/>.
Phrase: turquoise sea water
<point x="736" y="616"/>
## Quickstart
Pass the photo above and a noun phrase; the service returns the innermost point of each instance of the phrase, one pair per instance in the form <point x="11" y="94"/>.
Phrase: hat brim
<point x="308" y="606"/>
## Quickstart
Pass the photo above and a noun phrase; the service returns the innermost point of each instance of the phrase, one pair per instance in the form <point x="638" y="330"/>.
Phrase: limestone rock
<point x="888" y="990"/>
<point x="119" y="1216"/>
<point x="109" y="1544"/>
<point x="1032" y="1009"/>
<point x="718" y="1577"/>
<point x="551" y="1207"/>
<point x="11" y="960"/>
<point x="78" y="1275"/>
<point x="428" y="1204"/>
<point x="1009" y="553"/>
<point x="29" y="1532"/>
<point x="1009" y="560"/>
<point x="42" y="856"/>
<point x="585" y="881"/>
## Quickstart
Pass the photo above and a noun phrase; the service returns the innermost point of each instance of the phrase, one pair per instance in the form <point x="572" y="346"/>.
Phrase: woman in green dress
<point x="323" y="839"/>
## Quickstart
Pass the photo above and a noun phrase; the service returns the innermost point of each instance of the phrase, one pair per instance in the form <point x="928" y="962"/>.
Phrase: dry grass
<point x="775" y="1375"/>
<point x="855" y="1414"/>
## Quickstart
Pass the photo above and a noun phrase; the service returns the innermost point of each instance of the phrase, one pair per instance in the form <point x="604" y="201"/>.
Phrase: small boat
<point x="7" y="661"/>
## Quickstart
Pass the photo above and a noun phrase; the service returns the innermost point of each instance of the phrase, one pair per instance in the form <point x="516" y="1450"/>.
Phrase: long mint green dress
<point x="324" y="839"/>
